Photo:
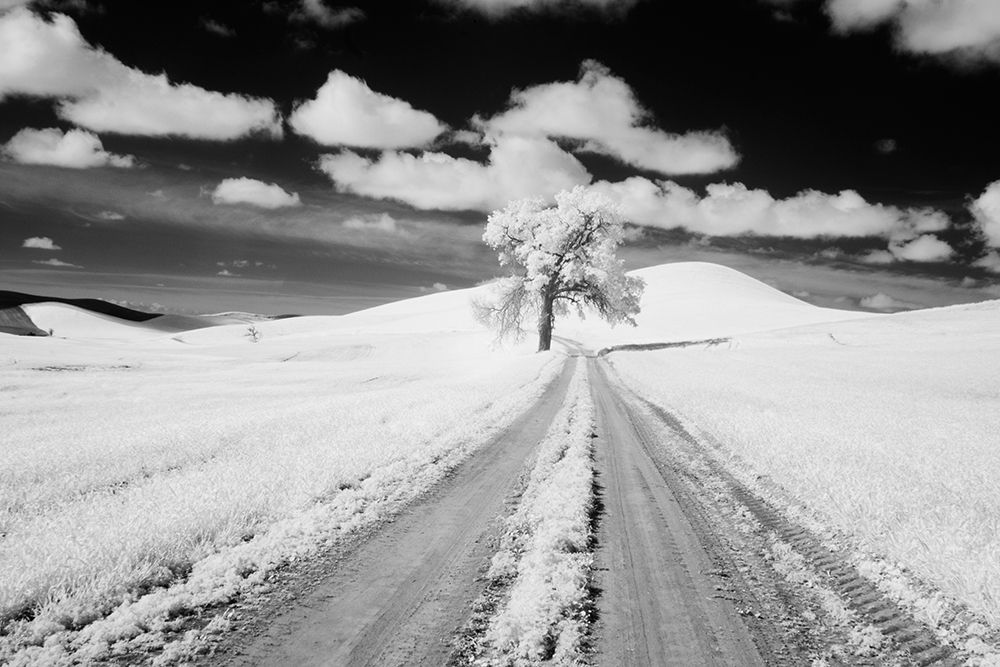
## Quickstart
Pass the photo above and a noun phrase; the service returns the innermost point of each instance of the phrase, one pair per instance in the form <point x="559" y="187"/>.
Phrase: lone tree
<point x="559" y="256"/>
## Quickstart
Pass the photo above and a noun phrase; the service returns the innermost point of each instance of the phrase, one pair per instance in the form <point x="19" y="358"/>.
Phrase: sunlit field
<point x="204" y="460"/>
<point x="886" y="426"/>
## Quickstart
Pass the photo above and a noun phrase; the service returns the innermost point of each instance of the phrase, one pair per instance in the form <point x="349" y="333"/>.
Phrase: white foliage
<point x="545" y="546"/>
<point x="565" y="254"/>
<point x="203" y="463"/>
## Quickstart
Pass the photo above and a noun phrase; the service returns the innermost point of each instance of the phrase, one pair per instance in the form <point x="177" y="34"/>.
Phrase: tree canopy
<point x="560" y="257"/>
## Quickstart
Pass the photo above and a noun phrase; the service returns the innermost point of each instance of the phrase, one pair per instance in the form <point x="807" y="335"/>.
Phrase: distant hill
<point x="15" y="299"/>
<point x="16" y="321"/>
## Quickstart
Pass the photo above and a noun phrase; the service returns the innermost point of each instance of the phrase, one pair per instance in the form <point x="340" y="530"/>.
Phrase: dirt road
<point x="400" y="597"/>
<point x="693" y="567"/>
<point x="659" y="601"/>
<point x="684" y="567"/>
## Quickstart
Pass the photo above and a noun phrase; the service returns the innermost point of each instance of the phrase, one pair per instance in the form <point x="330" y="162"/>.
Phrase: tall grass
<point x="890" y="434"/>
<point x="118" y="480"/>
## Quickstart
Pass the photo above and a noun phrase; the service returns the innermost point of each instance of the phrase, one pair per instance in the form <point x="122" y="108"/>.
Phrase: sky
<point x="310" y="156"/>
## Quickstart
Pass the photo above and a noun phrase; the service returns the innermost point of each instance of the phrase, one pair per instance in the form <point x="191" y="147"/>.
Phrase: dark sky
<point x="804" y="105"/>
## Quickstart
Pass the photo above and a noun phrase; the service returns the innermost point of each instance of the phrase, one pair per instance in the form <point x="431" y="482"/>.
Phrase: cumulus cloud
<point x="925" y="248"/>
<point x="882" y="301"/>
<point x="315" y="11"/>
<point x="517" y="167"/>
<point x="40" y="243"/>
<point x="346" y="112"/>
<point x="251" y="191"/>
<point x="95" y="90"/>
<point x="378" y="222"/>
<point x="57" y="263"/>
<point x="967" y="29"/>
<point x="501" y="8"/>
<point x="990" y="261"/>
<point x="597" y="113"/>
<point x="601" y="111"/>
<point x="732" y="209"/>
<point x="77" y="149"/>
<point x="986" y="210"/>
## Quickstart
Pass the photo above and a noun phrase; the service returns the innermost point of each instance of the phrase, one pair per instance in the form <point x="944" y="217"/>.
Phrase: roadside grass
<point x="131" y="497"/>
<point x="544" y="560"/>
<point x="888" y="432"/>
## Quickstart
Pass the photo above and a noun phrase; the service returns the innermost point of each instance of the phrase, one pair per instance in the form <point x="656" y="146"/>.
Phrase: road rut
<point x="400" y="597"/>
<point x="658" y="603"/>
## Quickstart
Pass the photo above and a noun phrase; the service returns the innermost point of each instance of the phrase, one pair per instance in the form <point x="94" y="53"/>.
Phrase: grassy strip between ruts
<point x="545" y="557"/>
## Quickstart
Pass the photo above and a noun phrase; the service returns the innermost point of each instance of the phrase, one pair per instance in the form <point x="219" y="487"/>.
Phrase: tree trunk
<point x="545" y="323"/>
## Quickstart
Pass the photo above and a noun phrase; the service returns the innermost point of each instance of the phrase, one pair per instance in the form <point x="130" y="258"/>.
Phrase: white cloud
<point x="96" y="91"/>
<point x="733" y="209"/>
<point x="56" y="262"/>
<point x="346" y="112"/>
<point x="467" y="137"/>
<point x="886" y="146"/>
<point x="77" y="149"/>
<point x="986" y="209"/>
<point x="500" y="8"/>
<point x="883" y="301"/>
<point x="40" y="243"/>
<point x="601" y="111"/>
<point x="968" y="29"/>
<point x="111" y="216"/>
<point x="849" y="15"/>
<point x="217" y="28"/>
<point x="314" y="11"/>
<point x="990" y="261"/>
<point x="517" y="167"/>
<point x="436" y="287"/>
<point x="926" y="248"/>
<point x="922" y="220"/>
<point x="878" y="257"/>
<point x="254" y="192"/>
<point x="379" y="222"/>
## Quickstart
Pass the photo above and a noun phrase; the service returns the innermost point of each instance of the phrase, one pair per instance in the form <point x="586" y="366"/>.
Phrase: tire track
<point x="399" y="597"/>
<point x="658" y="601"/>
<point x="907" y="636"/>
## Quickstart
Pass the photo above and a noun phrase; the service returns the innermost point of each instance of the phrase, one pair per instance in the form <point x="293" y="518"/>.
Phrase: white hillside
<point x="442" y="311"/>
<point x="885" y="425"/>
<point x="682" y="301"/>
<point x="66" y="321"/>
<point x="697" y="300"/>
